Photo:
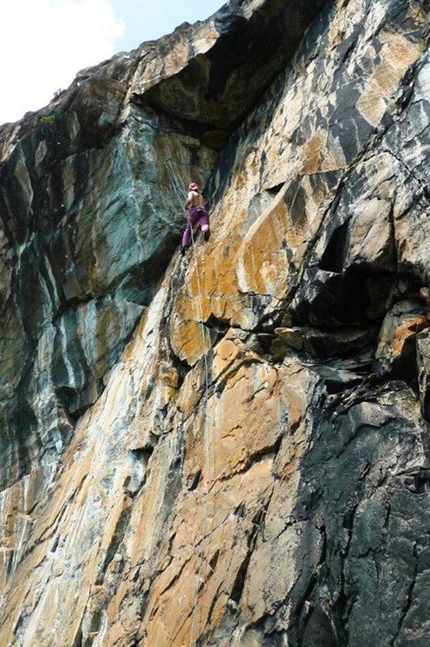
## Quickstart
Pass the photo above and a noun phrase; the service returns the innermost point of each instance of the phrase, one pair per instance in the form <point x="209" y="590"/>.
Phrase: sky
<point x="44" y="43"/>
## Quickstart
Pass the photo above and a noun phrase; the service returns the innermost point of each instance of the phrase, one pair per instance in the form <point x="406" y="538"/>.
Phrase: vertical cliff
<point x="227" y="449"/>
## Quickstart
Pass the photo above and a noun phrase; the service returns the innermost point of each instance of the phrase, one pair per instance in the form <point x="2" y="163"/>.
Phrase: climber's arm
<point x="189" y="201"/>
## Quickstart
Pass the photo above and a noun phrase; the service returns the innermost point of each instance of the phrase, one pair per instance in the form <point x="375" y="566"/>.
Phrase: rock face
<point x="229" y="449"/>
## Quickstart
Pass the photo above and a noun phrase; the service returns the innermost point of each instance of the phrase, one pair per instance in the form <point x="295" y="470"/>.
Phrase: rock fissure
<point x="408" y="601"/>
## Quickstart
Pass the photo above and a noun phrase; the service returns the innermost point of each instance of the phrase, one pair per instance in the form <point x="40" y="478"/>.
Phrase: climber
<point x="195" y="205"/>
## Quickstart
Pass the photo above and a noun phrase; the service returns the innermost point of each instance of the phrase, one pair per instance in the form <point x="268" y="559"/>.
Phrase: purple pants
<point x="195" y="215"/>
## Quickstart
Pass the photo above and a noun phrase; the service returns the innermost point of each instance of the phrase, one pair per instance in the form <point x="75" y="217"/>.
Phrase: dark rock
<point x="325" y="343"/>
<point x="219" y="87"/>
<point x="423" y="361"/>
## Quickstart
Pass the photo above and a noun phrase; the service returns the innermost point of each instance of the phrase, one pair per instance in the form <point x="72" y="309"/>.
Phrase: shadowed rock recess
<point x="231" y="449"/>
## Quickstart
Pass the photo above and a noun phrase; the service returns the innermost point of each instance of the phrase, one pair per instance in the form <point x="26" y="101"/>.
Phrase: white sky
<point x="44" y="43"/>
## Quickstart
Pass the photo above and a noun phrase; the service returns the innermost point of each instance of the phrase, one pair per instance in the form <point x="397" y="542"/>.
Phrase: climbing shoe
<point x="206" y="234"/>
<point x="183" y="250"/>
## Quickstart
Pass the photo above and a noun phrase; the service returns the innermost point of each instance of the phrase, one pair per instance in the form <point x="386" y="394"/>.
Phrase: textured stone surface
<point x="228" y="449"/>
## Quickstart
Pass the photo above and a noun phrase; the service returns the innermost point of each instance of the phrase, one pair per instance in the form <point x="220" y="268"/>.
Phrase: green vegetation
<point x="50" y="125"/>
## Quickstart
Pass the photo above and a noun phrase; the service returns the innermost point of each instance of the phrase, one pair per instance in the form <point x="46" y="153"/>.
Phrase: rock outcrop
<point x="230" y="449"/>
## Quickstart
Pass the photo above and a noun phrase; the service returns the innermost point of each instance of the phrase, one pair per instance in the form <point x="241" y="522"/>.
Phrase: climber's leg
<point x="186" y="236"/>
<point x="204" y="224"/>
<point x="191" y="221"/>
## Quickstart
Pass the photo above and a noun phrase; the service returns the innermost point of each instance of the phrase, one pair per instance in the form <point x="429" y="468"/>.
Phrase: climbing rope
<point x="206" y="437"/>
<point x="206" y="441"/>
